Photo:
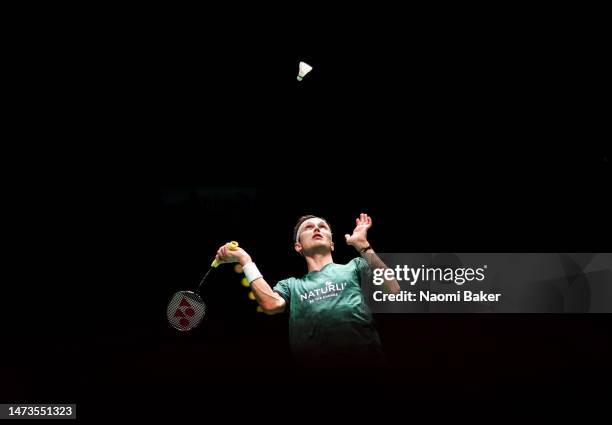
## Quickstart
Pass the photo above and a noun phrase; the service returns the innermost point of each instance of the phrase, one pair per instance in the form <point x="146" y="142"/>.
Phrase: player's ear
<point x="332" y="246"/>
<point x="298" y="248"/>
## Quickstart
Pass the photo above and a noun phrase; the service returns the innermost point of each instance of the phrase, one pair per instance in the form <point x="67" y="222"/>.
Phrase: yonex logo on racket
<point x="183" y="312"/>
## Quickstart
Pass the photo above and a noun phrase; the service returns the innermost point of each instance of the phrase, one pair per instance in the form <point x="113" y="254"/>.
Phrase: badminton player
<point x="330" y="323"/>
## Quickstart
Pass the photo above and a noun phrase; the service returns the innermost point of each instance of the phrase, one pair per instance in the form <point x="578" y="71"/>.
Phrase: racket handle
<point x="233" y="245"/>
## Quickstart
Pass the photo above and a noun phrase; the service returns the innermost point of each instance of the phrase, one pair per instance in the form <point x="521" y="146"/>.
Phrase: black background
<point x="456" y="130"/>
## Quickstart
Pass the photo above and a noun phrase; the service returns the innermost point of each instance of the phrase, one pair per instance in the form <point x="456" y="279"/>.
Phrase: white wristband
<point x="251" y="272"/>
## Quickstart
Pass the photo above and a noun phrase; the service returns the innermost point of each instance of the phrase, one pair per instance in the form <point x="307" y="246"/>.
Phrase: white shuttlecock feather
<point x="304" y="69"/>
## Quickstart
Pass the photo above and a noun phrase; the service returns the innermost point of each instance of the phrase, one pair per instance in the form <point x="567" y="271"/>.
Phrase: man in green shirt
<point x="330" y="323"/>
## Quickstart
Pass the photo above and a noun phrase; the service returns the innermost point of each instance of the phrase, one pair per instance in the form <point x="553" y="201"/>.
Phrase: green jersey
<point x="328" y="316"/>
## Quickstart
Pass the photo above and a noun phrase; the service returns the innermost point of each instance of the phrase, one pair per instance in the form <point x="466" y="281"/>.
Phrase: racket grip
<point x="233" y="245"/>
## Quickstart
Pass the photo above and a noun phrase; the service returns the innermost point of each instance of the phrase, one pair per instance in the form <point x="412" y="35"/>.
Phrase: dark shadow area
<point x="454" y="135"/>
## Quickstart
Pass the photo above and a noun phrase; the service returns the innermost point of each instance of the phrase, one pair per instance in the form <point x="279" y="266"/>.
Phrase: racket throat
<point x="202" y="281"/>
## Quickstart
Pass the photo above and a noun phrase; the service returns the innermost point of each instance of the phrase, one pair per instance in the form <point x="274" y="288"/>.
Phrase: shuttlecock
<point x="304" y="69"/>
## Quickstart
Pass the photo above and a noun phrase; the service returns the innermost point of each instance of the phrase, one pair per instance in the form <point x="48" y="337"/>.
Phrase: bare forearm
<point x="359" y="241"/>
<point x="270" y="301"/>
<point x="374" y="261"/>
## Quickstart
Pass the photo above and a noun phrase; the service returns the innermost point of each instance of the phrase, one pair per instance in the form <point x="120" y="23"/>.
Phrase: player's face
<point x="315" y="233"/>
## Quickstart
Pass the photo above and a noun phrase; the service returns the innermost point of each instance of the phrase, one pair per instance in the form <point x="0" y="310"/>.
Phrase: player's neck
<point x="316" y="262"/>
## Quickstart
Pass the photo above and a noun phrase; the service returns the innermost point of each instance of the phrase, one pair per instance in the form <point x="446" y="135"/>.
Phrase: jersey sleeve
<point x="284" y="290"/>
<point x="364" y="271"/>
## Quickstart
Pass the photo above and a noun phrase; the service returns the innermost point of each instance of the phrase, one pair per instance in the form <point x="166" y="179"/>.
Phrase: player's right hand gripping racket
<point x="186" y="309"/>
